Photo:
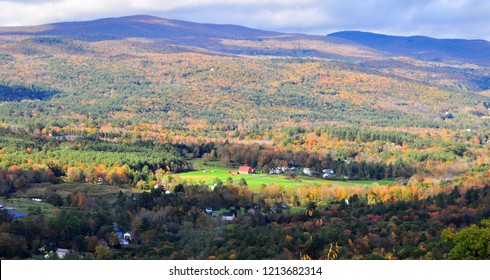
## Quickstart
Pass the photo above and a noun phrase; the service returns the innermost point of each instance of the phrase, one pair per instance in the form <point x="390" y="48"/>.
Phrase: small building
<point x="99" y="181"/>
<point x="61" y="253"/>
<point x="228" y="216"/>
<point x="307" y="171"/>
<point x="209" y="210"/>
<point x="279" y="170"/>
<point x="327" y="173"/>
<point x="244" y="169"/>
<point x="124" y="238"/>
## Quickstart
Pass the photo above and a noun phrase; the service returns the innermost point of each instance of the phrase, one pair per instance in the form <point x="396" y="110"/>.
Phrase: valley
<point x="377" y="144"/>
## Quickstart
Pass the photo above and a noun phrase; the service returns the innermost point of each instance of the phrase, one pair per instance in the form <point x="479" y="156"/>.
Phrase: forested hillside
<point x="379" y="154"/>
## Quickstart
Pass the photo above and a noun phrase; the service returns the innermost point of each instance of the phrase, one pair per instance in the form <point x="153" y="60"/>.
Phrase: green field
<point x="22" y="205"/>
<point x="207" y="173"/>
<point x="64" y="189"/>
<point x="22" y="199"/>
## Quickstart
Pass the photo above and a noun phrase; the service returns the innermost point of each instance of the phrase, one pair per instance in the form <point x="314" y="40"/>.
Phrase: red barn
<point x="246" y="170"/>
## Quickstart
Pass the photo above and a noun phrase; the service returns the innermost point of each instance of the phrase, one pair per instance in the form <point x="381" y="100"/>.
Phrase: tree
<point x="470" y="243"/>
<point x="242" y="182"/>
<point x="55" y="199"/>
<point x="102" y="253"/>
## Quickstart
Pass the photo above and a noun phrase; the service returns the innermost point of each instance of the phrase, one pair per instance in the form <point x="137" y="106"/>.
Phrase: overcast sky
<point x="469" y="19"/>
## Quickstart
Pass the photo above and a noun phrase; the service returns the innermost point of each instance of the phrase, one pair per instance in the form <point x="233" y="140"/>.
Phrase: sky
<point x="466" y="19"/>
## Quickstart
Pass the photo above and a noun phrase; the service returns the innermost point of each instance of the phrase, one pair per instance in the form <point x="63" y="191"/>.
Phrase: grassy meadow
<point x="209" y="172"/>
<point x="64" y="189"/>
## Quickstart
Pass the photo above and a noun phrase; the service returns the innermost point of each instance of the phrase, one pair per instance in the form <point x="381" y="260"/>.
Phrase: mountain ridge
<point x="149" y="27"/>
<point x="421" y="47"/>
<point x="210" y="36"/>
<point x="223" y="77"/>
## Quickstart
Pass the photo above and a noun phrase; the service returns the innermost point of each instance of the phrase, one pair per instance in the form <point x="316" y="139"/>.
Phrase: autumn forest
<point x="125" y="145"/>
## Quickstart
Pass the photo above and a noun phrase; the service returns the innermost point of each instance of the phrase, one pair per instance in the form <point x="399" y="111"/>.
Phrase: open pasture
<point x="208" y="173"/>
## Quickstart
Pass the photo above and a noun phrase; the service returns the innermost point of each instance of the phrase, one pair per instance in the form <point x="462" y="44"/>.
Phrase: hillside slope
<point x="211" y="37"/>
<point x="424" y="48"/>
<point x="141" y="70"/>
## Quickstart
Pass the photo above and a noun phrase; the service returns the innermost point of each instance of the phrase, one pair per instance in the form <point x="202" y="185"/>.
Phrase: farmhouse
<point x="228" y="216"/>
<point x="244" y="169"/>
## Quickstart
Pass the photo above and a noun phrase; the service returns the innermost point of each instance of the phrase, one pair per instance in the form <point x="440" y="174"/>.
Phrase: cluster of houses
<point x="244" y="169"/>
<point x="230" y="215"/>
<point x="124" y="239"/>
<point x="281" y="170"/>
<point x="226" y="216"/>
<point x="65" y="137"/>
<point x="327" y="173"/>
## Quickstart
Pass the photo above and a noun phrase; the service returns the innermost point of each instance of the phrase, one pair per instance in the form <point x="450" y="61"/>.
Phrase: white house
<point x="61" y="253"/>
<point x="327" y="173"/>
<point x="124" y="238"/>
<point x="228" y="216"/>
<point x="307" y="171"/>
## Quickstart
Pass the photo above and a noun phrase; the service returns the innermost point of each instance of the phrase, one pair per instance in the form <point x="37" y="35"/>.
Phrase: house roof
<point x="244" y="168"/>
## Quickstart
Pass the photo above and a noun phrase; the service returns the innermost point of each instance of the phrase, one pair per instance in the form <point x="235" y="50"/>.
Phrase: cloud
<point x="43" y="11"/>
<point x="436" y="18"/>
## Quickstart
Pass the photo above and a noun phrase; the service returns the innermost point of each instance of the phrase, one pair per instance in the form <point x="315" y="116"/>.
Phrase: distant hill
<point x="178" y="32"/>
<point x="141" y="26"/>
<point x="140" y="70"/>
<point x="213" y="37"/>
<point x="424" y="48"/>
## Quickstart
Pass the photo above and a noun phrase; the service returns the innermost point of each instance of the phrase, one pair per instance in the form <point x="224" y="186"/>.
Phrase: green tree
<point x="102" y="253"/>
<point x="242" y="182"/>
<point x="470" y="243"/>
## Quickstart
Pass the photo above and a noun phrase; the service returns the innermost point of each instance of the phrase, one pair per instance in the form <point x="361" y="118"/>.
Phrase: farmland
<point x="209" y="172"/>
<point x="65" y="189"/>
<point x="26" y="205"/>
<point x="38" y="197"/>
